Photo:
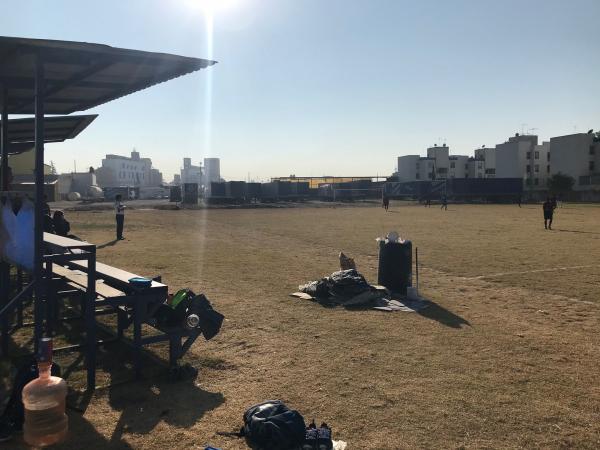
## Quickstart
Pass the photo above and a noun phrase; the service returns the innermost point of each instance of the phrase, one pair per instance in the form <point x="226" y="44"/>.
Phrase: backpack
<point x="271" y="425"/>
<point x="185" y="303"/>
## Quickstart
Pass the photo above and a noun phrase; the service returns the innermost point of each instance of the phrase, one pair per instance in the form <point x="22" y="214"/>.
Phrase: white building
<point x="117" y="170"/>
<point x="212" y="170"/>
<point x="425" y="168"/>
<point x="434" y="166"/>
<point x="488" y="156"/>
<point x="538" y="162"/>
<point x="577" y="155"/>
<point x="459" y="166"/>
<point x="476" y="168"/>
<point x="513" y="157"/>
<point x="191" y="173"/>
<point x="441" y="157"/>
<point x="408" y="168"/>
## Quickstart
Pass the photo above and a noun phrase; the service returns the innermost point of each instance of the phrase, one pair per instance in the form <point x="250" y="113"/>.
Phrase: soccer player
<point x="548" y="208"/>
<point x="120" y="216"/>
<point x="386" y="202"/>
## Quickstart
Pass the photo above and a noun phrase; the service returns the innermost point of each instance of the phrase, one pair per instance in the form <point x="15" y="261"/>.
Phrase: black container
<point x="190" y="193"/>
<point x="270" y="191"/>
<point x="395" y="266"/>
<point x="236" y="190"/>
<point x="284" y="188"/>
<point x="253" y="191"/>
<point x="175" y="194"/>
<point x="302" y="189"/>
<point x="217" y="189"/>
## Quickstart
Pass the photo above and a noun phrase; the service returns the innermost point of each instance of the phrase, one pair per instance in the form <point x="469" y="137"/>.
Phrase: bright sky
<point x="336" y="87"/>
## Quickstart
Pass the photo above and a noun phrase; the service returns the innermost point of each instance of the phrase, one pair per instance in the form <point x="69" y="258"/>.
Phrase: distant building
<point x="117" y="170"/>
<point x="514" y="158"/>
<point x="203" y="176"/>
<point x="459" y="166"/>
<point x="156" y="177"/>
<point x="577" y="155"/>
<point x="212" y="170"/>
<point x="408" y="168"/>
<point x="435" y="166"/>
<point x="539" y="164"/>
<point x="488" y="157"/>
<point x="80" y="182"/>
<point x="177" y="179"/>
<point x="22" y="165"/>
<point x="521" y="156"/>
<point x="441" y="157"/>
<point x="191" y="173"/>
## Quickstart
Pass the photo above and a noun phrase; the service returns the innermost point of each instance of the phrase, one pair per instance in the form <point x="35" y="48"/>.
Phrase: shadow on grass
<point x="135" y="406"/>
<point x="575" y="231"/>
<point x="145" y="404"/>
<point x="107" y="244"/>
<point x="443" y="316"/>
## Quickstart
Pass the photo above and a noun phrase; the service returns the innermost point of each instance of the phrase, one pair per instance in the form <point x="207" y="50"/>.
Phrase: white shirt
<point x="119" y="208"/>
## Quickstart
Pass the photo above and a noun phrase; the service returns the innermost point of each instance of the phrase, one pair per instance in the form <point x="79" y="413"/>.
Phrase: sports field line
<point x="553" y="269"/>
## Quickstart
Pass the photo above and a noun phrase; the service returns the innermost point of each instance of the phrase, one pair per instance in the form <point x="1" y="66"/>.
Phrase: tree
<point x="52" y="168"/>
<point x="559" y="183"/>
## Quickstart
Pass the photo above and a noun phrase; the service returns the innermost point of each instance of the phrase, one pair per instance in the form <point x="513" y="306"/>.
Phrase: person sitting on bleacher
<point x="48" y="224"/>
<point x="61" y="225"/>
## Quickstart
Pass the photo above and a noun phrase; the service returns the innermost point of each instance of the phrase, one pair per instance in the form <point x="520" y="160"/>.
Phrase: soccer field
<point x="505" y="357"/>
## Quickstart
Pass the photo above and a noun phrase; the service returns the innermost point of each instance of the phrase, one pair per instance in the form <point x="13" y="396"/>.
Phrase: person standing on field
<point x="120" y="216"/>
<point x="444" y="203"/>
<point x="386" y="202"/>
<point x="548" y="208"/>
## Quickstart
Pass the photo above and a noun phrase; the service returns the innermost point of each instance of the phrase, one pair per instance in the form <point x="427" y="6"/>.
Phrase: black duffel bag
<point x="271" y="425"/>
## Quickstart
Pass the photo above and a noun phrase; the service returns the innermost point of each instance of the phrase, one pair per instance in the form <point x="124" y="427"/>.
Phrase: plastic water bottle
<point x="192" y="321"/>
<point x="44" y="399"/>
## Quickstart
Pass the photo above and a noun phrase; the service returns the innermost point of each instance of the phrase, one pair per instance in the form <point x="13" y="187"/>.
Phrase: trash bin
<point x="395" y="265"/>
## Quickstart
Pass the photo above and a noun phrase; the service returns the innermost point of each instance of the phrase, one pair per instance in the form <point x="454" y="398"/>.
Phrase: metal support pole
<point x="90" y="321"/>
<point x="4" y="139"/>
<point x="38" y="233"/>
<point x="4" y="267"/>
<point x="417" y="266"/>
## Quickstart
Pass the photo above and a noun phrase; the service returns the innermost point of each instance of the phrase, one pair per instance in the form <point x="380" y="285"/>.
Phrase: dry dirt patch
<point x="505" y="358"/>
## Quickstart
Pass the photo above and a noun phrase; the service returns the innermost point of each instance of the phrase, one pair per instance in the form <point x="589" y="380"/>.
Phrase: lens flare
<point x="212" y="6"/>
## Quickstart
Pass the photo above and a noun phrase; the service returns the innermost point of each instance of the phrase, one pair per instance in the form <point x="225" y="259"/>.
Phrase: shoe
<point x="121" y="238"/>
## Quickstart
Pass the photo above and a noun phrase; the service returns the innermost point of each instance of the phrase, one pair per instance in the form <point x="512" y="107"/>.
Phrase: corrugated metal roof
<point x="21" y="132"/>
<point x="81" y="75"/>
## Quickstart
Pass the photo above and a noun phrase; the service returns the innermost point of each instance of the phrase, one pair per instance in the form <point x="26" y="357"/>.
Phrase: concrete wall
<point x="407" y="167"/>
<point x="426" y="167"/>
<point x="442" y="162"/>
<point x="570" y="155"/>
<point x="488" y="156"/>
<point x="511" y="159"/>
<point x="476" y="168"/>
<point x="458" y="166"/>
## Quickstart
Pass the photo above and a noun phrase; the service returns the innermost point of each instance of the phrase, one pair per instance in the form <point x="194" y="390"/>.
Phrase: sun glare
<point x="212" y="6"/>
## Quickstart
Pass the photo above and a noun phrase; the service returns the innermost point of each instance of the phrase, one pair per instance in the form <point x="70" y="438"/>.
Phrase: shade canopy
<point x="80" y="75"/>
<point x="21" y="132"/>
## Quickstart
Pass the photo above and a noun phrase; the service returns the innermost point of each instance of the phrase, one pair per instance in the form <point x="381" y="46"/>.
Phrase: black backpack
<point x="271" y="425"/>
